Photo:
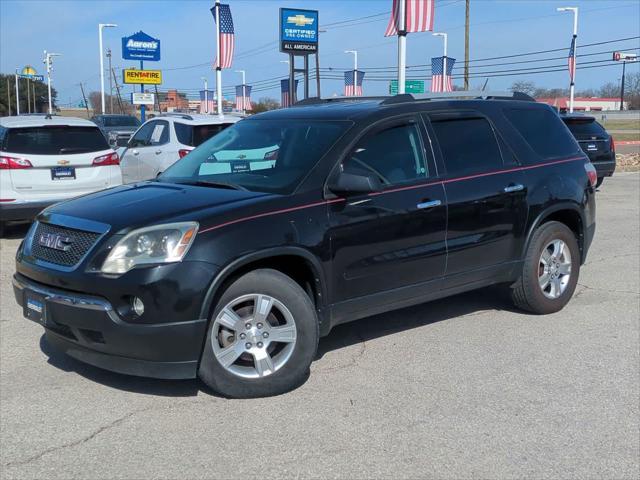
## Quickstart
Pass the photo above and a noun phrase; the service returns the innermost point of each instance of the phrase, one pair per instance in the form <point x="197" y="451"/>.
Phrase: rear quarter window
<point x="195" y="135"/>
<point x="544" y="131"/>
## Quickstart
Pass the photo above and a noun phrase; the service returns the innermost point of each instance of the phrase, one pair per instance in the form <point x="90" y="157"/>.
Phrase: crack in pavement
<point x="604" y="290"/>
<point x="84" y="439"/>
<point x="352" y="362"/>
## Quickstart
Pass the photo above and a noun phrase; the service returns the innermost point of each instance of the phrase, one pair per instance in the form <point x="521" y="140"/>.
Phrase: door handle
<point x="513" y="188"/>
<point x="158" y="152"/>
<point x="135" y="152"/>
<point x="429" y="204"/>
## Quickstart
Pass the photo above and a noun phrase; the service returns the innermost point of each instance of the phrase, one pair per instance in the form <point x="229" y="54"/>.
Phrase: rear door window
<point x="195" y="135"/>
<point x="468" y="145"/>
<point x="543" y="130"/>
<point x="55" y="140"/>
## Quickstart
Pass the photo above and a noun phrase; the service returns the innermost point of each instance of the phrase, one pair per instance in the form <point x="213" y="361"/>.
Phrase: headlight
<point x="151" y="245"/>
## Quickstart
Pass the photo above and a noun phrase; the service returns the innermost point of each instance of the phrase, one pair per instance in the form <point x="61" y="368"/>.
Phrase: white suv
<point x="45" y="159"/>
<point x="165" y="139"/>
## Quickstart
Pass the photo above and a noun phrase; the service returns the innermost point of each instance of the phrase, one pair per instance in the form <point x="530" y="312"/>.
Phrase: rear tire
<point x="261" y="314"/>
<point x="599" y="181"/>
<point x="550" y="270"/>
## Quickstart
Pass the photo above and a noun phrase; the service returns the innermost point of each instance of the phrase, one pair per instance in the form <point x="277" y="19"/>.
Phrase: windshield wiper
<point x="206" y="183"/>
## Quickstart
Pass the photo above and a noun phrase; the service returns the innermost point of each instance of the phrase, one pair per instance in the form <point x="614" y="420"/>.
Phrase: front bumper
<point x="15" y="211"/>
<point x="88" y="328"/>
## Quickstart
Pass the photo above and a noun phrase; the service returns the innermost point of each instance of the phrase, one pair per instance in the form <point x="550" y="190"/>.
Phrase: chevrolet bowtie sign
<point x="298" y="31"/>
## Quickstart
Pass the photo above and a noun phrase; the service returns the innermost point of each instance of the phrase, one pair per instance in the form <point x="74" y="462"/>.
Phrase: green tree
<point x="8" y="90"/>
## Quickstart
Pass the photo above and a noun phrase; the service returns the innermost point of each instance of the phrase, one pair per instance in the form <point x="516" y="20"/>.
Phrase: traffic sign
<point x="142" y="77"/>
<point x="624" y="57"/>
<point x="140" y="98"/>
<point x="410" y="86"/>
<point x="37" y="78"/>
<point x="298" y="31"/>
<point x="141" y="46"/>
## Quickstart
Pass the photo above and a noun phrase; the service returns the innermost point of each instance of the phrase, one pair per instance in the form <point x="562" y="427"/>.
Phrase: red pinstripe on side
<point x="393" y="190"/>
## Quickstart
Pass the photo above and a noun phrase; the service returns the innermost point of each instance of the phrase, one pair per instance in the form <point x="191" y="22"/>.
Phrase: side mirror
<point x="350" y="183"/>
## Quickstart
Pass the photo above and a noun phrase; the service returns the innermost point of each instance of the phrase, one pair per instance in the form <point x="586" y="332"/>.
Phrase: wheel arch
<point x="296" y="262"/>
<point x="568" y="214"/>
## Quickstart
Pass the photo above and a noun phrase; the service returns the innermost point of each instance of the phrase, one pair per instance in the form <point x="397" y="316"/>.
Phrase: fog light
<point x="138" y="306"/>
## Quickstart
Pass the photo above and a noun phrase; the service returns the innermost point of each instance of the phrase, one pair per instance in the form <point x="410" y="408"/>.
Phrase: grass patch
<point x="626" y="137"/>
<point x="622" y="124"/>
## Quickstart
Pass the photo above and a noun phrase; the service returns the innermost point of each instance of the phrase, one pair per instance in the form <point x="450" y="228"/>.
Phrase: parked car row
<point x="46" y="159"/>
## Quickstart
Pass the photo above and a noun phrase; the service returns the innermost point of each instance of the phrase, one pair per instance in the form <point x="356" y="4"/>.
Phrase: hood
<point x="137" y="205"/>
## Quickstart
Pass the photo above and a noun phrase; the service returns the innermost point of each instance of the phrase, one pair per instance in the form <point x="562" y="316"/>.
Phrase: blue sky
<point x="186" y="30"/>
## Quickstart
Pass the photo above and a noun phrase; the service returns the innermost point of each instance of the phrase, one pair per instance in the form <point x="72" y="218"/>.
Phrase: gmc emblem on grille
<point x="55" y="241"/>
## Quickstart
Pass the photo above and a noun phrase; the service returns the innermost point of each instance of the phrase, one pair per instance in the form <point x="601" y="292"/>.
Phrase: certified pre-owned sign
<point x="298" y="31"/>
<point x="141" y="46"/>
<point x="143" y="77"/>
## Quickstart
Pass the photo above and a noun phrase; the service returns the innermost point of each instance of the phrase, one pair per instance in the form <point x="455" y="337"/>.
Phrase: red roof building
<point x="584" y="104"/>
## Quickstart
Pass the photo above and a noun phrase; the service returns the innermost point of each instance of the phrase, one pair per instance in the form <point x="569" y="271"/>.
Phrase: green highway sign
<point x="410" y="86"/>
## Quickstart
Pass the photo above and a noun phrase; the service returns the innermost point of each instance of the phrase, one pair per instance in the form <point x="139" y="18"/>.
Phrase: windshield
<point x="123" y="121"/>
<point x="54" y="140"/>
<point x="259" y="155"/>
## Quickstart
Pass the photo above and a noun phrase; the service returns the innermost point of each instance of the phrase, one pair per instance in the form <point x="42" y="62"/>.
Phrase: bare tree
<point x="610" y="90"/>
<point x="523" y="86"/>
<point x="265" y="104"/>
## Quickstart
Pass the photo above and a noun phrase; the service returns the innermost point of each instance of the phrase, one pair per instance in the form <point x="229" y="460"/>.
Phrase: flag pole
<point x="402" y="44"/>
<point x="574" y="42"/>
<point x="218" y="60"/>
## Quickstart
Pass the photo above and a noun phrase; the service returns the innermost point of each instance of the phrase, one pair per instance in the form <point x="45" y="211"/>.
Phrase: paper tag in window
<point x="157" y="133"/>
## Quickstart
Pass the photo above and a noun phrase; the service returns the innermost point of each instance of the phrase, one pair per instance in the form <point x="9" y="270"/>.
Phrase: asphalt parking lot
<point x="459" y="388"/>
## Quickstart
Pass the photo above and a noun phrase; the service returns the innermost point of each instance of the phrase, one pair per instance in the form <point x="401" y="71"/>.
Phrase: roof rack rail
<point x="476" y="94"/>
<point x="318" y="101"/>
<point x="184" y="116"/>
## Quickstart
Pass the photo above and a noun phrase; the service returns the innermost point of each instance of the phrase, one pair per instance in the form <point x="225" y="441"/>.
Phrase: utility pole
<point x="84" y="99"/>
<point x="110" y="83"/>
<point x="206" y="94"/>
<point x="466" y="46"/>
<point x="9" y="95"/>
<point x="33" y="91"/>
<point x="115" y="80"/>
<point x="624" y="64"/>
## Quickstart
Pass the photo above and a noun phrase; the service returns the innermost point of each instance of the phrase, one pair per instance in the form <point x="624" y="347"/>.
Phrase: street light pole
<point x="206" y="94"/>
<point x="572" y="86"/>
<point x="244" y="92"/>
<point x="17" y="94"/>
<point x="444" y="59"/>
<point x="355" y="68"/>
<point x="100" y="27"/>
<point x="47" y="62"/>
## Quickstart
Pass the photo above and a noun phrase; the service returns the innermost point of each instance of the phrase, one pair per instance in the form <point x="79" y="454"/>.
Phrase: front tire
<point x="262" y="337"/>
<point x="550" y="270"/>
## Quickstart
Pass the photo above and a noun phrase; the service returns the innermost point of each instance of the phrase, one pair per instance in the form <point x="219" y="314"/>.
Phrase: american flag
<point x="572" y="59"/>
<point x="418" y="16"/>
<point x="439" y="81"/>
<point x="208" y="106"/>
<point x="227" y="37"/>
<point x="243" y="97"/>
<point x="351" y="90"/>
<point x="285" y="101"/>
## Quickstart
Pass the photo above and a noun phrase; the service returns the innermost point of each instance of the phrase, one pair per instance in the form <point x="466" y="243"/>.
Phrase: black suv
<point x="234" y="262"/>
<point x="595" y="142"/>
